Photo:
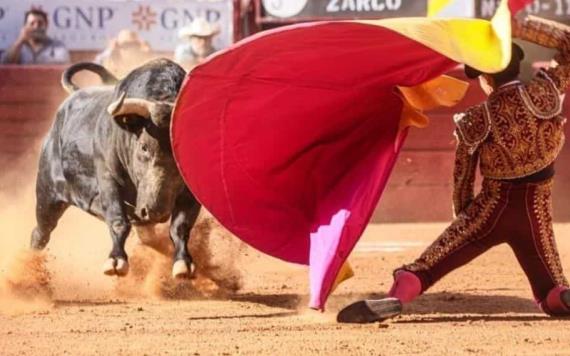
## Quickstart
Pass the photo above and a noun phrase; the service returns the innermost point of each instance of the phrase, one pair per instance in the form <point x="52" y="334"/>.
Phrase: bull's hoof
<point x="180" y="270"/>
<point x="109" y="267"/>
<point x="116" y="267"/>
<point x="122" y="267"/>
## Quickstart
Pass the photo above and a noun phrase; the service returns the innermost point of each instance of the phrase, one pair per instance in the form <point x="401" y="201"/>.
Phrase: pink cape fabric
<point x="289" y="138"/>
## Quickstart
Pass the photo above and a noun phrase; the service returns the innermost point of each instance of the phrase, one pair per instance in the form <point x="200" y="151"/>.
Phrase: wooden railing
<point x="29" y="97"/>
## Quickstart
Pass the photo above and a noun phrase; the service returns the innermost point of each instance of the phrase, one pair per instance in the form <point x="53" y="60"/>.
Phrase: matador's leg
<point x="535" y="249"/>
<point x="476" y="229"/>
<point x="473" y="232"/>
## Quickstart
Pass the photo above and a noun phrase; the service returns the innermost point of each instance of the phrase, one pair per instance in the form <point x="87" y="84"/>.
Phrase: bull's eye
<point x="144" y="147"/>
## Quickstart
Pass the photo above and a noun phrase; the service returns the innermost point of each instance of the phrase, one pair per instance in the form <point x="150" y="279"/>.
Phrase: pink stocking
<point x="553" y="303"/>
<point x="406" y="287"/>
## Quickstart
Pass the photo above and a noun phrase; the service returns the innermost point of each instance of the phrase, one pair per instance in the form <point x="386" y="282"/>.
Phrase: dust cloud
<point x="70" y="269"/>
<point x="25" y="282"/>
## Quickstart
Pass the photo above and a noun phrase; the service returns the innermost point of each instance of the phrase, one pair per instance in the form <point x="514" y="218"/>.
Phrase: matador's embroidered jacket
<point x="518" y="131"/>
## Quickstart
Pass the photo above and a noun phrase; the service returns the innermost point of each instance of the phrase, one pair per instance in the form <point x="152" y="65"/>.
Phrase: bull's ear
<point x="131" y="123"/>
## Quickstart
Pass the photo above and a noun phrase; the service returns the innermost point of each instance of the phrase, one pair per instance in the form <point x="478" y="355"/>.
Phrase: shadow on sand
<point x="87" y="303"/>
<point x="241" y="316"/>
<point x="430" y="308"/>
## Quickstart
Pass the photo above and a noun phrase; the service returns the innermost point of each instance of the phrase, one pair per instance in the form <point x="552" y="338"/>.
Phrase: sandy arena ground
<point x="484" y="308"/>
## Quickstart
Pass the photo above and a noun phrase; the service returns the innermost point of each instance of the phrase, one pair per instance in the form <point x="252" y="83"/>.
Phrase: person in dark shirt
<point x="33" y="46"/>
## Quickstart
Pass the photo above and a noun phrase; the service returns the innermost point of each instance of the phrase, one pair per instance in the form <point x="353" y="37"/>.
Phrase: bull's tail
<point x="101" y="71"/>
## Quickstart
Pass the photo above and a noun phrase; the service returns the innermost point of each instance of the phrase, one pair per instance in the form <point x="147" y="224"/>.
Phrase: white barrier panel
<point x="89" y="24"/>
<point x="558" y="10"/>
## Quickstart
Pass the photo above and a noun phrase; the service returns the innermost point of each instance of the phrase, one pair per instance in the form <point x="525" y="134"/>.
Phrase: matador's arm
<point x="473" y="127"/>
<point x="549" y="34"/>
<point x="463" y="177"/>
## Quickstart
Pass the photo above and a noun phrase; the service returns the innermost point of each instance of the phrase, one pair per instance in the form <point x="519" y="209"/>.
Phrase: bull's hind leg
<point x="47" y="215"/>
<point x="184" y="216"/>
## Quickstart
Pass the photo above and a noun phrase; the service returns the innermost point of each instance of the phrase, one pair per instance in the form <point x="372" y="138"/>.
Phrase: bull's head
<point x="143" y="106"/>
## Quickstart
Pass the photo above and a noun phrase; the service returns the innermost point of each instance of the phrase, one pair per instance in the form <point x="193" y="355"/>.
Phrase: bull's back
<point x="82" y="110"/>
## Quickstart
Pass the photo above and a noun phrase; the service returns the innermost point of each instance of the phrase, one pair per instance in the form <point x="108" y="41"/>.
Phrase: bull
<point x="108" y="153"/>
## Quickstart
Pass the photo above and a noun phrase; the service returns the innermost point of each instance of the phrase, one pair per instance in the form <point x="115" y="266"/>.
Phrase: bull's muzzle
<point x="147" y="215"/>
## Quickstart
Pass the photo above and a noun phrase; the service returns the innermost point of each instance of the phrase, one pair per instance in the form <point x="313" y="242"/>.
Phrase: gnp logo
<point x="173" y="18"/>
<point x="170" y="18"/>
<point x="144" y="17"/>
<point x="76" y="17"/>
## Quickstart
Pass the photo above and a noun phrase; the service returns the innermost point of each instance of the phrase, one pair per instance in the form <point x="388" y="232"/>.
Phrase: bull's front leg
<point x="119" y="226"/>
<point x="183" y="218"/>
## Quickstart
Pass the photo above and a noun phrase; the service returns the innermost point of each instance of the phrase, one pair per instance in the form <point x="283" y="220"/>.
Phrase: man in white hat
<point x="197" y="43"/>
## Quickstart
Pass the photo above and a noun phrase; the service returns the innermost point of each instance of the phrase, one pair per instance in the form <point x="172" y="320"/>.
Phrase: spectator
<point x="33" y="46"/>
<point x="124" y="53"/>
<point x="197" y="43"/>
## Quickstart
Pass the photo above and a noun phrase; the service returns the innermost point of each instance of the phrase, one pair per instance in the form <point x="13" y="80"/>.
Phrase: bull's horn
<point x="141" y="107"/>
<point x="115" y="105"/>
<point x="136" y="106"/>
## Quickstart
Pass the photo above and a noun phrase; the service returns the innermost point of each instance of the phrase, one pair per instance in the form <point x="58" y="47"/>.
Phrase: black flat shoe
<point x="370" y="311"/>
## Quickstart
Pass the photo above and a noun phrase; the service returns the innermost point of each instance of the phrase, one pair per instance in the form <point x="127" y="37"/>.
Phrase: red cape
<point x="289" y="138"/>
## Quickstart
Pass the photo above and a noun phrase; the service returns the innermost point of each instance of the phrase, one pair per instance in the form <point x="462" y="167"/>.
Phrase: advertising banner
<point x="89" y="24"/>
<point x="303" y="10"/>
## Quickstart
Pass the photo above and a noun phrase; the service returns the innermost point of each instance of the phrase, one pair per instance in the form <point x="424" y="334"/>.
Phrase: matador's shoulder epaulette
<point x="541" y="96"/>
<point x="473" y="126"/>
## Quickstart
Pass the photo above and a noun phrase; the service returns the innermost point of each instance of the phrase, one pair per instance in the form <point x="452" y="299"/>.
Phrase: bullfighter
<point x="514" y="137"/>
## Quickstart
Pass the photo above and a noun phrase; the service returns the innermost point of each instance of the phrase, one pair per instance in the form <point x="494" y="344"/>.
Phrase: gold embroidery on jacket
<point x="473" y="126"/>
<point x="541" y="97"/>
<point x="520" y="143"/>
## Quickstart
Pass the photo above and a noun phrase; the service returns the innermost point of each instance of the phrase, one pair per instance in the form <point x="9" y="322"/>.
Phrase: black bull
<point x="108" y="153"/>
